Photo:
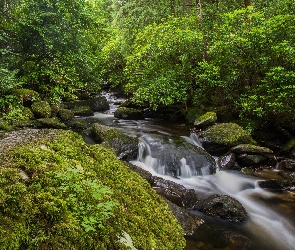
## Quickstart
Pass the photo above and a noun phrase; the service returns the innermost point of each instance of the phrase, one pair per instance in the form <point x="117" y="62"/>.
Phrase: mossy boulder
<point x="83" y="111"/>
<point x="128" y="113"/>
<point x="53" y="122"/>
<point x="96" y="104"/>
<point x="41" y="109"/>
<point x="55" y="108"/>
<point x="219" y="138"/>
<point x="27" y="96"/>
<point x="206" y="120"/>
<point x="61" y="193"/>
<point x="66" y="114"/>
<point x="222" y="206"/>
<point x="4" y="125"/>
<point x="27" y="113"/>
<point x="125" y="147"/>
<point x="289" y="148"/>
<point x="192" y="114"/>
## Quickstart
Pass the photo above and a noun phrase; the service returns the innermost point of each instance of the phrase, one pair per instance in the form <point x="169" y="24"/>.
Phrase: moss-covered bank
<point x="60" y="193"/>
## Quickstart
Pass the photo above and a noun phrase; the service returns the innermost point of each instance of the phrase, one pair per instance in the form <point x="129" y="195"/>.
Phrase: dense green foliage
<point x="63" y="194"/>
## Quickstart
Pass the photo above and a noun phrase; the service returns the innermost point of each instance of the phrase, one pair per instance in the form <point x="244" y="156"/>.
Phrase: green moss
<point x="43" y="199"/>
<point x="192" y="113"/>
<point x="66" y="114"/>
<point x="229" y="134"/>
<point x="128" y="113"/>
<point x="206" y="119"/>
<point x="27" y="95"/>
<point x="4" y="125"/>
<point x="82" y="111"/>
<point x="41" y="109"/>
<point x="51" y="123"/>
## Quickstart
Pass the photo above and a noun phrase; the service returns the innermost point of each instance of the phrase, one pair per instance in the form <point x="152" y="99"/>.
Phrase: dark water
<point x="271" y="216"/>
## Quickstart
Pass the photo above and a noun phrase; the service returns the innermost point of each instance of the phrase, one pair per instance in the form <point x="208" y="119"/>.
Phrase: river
<point x="271" y="216"/>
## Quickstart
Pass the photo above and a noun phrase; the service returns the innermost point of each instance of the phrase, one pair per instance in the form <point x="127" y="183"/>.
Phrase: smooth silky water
<point x="271" y="216"/>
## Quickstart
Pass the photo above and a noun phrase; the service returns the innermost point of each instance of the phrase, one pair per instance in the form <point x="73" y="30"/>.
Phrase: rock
<point x="55" y="109"/>
<point x="27" y="113"/>
<point x="287" y="164"/>
<point x="188" y="221"/>
<point x="128" y="113"/>
<point x="66" y="114"/>
<point x="143" y="173"/>
<point x="219" y="138"/>
<point x="125" y="147"/>
<point x="289" y="149"/>
<point x="249" y="160"/>
<point x="227" y="162"/>
<point x="96" y="104"/>
<point x="77" y="125"/>
<point x="222" y="206"/>
<point x="27" y="96"/>
<point x="277" y="185"/>
<point x="41" y="109"/>
<point x="206" y="120"/>
<point x="51" y="123"/>
<point x="175" y="193"/>
<point x="83" y="111"/>
<point x="251" y="149"/>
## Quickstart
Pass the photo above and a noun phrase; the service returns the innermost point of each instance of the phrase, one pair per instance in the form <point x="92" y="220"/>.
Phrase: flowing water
<point x="165" y="149"/>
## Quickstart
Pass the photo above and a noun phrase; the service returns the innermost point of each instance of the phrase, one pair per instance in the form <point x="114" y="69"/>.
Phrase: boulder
<point x="228" y="162"/>
<point x="125" y="147"/>
<point x="250" y="160"/>
<point x="27" y="96"/>
<point x="175" y="193"/>
<point x="51" y="123"/>
<point x="251" y="149"/>
<point x="65" y="114"/>
<point x="277" y="185"/>
<point x="55" y="107"/>
<point x="41" y="109"/>
<point x="143" y="173"/>
<point x="128" y="113"/>
<point x="287" y="165"/>
<point x="96" y="104"/>
<point x="289" y="148"/>
<point x="83" y="111"/>
<point x="219" y="138"/>
<point x="206" y="120"/>
<point x="222" y="206"/>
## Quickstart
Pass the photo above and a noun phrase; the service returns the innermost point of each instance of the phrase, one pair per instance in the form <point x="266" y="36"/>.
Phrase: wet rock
<point x="188" y="221"/>
<point x="128" y="113"/>
<point x="174" y="192"/>
<point x="96" y="104"/>
<point x="250" y="160"/>
<point x="287" y="164"/>
<point x="83" y="111"/>
<point x="143" y="173"/>
<point x="41" y="109"/>
<point x="206" y="120"/>
<point x="277" y="185"/>
<point x="227" y="162"/>
<point x="125" y="147"/>
<point x="222" y="206"/>
<point x="219" y="138"/>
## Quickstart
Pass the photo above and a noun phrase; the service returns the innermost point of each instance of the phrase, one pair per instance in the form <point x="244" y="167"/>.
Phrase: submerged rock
<point x="219" y="138"/>
<point x="222" y="206"/>
<point x="277" y="185"/>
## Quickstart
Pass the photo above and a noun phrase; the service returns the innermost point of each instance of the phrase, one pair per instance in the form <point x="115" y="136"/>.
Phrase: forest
<point x="235" y="54"/>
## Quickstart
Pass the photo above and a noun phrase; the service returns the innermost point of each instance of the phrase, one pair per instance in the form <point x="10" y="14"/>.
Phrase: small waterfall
<point x="174" y="157"/>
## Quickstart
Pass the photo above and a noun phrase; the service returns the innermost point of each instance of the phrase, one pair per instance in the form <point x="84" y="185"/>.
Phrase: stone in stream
<point x="227" y="162"/>
<point x="98" y="103"/>
<point x="277" y="185"/>
<point x="222" y="206"/>
<point x="206" y="120"/>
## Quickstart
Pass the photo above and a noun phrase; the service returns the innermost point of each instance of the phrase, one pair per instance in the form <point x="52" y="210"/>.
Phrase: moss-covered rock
<point x="206" y="120"/>
<point x="27" y="113"/>
<point x="219" y="138"/>
<point x="53" y="122"/>
<point x="4" y="125"/>
<point x="55" y="108"/>
<point x="128" y="113"/>
<point x="96" y="104"/>
<point x="83" y="111"/>
<point x="125" y="147"/>
<point x="27" y="96"/>
<point x="289" y="148"/>
<point x="191" y="114"/>
<point x="66" y="114"/>
<point x="61" y="193"/>
<point x="41" y="109"/>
